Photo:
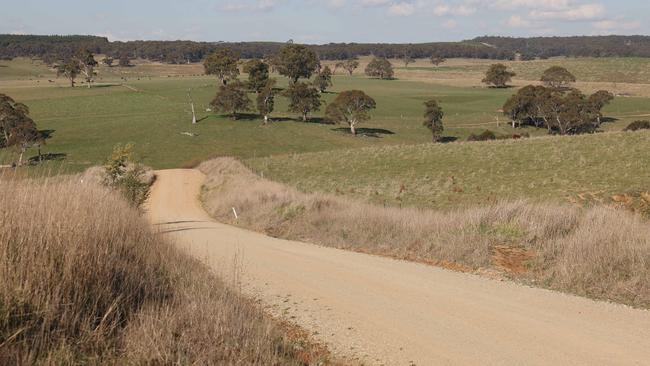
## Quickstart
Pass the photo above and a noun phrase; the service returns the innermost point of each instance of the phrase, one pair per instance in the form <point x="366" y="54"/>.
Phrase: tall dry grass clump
<point x="84" y="280"/>
<point x="598" y="252"/>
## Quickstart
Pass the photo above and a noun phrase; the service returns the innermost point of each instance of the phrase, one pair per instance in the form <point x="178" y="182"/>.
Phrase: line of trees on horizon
<point x="56" y="48"/>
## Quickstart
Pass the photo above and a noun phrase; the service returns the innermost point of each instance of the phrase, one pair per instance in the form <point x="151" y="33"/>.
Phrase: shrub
<point x="127" y="176"/>
<point x="638" y="125"/>
<point x="483" y="136"/>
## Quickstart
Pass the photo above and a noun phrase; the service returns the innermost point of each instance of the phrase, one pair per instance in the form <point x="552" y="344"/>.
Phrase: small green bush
<point x="127" y="176"/>
<point x="483" y="136"/>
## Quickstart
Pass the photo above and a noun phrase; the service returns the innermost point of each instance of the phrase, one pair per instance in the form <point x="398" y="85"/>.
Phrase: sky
<point x="324" y="21"/>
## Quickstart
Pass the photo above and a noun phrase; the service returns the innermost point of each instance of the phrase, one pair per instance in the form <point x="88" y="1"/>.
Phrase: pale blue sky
<point x="313" y="21"/>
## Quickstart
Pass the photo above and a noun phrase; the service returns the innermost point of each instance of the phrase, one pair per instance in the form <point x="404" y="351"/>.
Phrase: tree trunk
<point x="20" y="159"/>
<point x="266" y="119"/>
<point x="304" y="117"/>
<point x="353" y="130"/>
<point x="72" y="82"/>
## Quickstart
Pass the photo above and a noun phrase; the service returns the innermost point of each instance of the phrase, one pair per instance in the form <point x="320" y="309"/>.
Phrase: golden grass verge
<point x="83" y="280"/>
<point x="599" y="252"/>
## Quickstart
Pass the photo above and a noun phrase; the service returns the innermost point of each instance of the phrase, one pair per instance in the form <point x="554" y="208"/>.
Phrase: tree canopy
<point x="557" y="77"/>
<point x="223" y="64"/>
<point x="16" y="127"/>
<point x="350" y="65"/>
<point x="232" y="98"/>
<point x="70" y="69"/>
<point x="433" y="119"/>
<point x="265" y="101"/>
<point x="380" y="67"/>
<point x="351" y="107"/>
<point x="498" y="76"/>
<point x="563" y="112"/>
<point x="323" y="79"/>
<point x="437" y="60"/>
<point x="297" y="61"/>
<point x="303" y="99"/>
<point x="258" y="74"/>
<point x="87" y="64"/>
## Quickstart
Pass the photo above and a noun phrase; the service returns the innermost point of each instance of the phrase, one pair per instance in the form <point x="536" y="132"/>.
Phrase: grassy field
<point x="593" y="167"/>
<point x="151" y="109"/>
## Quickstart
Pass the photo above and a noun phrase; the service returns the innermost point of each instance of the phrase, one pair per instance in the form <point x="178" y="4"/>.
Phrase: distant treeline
<point x="53" y="48"/>
<point x="579" y="46"/>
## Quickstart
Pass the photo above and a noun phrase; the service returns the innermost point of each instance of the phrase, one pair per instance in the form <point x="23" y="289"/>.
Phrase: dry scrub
<point x="83" y="280"/>
<point x="598" y="252"/>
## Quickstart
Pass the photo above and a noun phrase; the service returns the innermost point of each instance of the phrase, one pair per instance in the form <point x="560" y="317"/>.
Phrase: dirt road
<point x="384" y="311"/>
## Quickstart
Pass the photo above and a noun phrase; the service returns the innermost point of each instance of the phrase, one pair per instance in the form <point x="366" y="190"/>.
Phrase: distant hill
<point x="504" y="48"/>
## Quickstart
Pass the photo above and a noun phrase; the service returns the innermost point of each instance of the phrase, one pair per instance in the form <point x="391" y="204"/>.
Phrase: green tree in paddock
<point x="350" y="65"/>
<point x="223" y="64"/>
<point x="407" y="60"/>
<point x="70" y="69"/>
<point x="303" y="99"/>
<point x="258" y="74"/>
<point x="297" y="61"/>
<point x="598" y="101"/>
<point x="232" y="98"/>
<point x="433" y="119"/>
<point x="16" y="127"/>
<point x="557" y="77"/>
<point x="323" y="79"/>
<point x="498" y="76"/>
<point x="87" y="64"/>
<point x="381" y="68"/>
<point x="437" y="60"/>
<point x="266" y="100"/>
<point x="351" y="107"/>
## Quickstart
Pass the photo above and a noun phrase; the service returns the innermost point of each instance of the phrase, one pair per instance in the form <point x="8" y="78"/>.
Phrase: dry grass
<point x="83" y="280"/>
<point x="599" y="252"/>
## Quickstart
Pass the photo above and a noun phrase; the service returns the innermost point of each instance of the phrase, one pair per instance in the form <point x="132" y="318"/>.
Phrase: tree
<point x="232" y="98"/>
<point x="87" y="64"/>
<point x="407" y="59"/>
<point x="258" y="74"/>
<point x="17" y="128"/>
<point x="272" y="61"/>
<point x="557" y="77"/>
<point x="498" y="76"/>
<point x="350" y="65"/>
<point x="380" y="67"/>
<point x="561" y="111"/>
<point x="266" y="100"/>
<point x="223" y="64"/>
<point x="525" y="106"/>
<point x="323" y="79"/>
<point x="437" y="60"/>
<point x="124" y="61"/>
<point x="108" y="61"/>
<point x="297" y="61"/>
<point x="433" y="119"/>
<point x="598" y="101"/>
<point x="124" y="174"/>
<point x="70" y="69"/>
<point x="351" y="107"/>
<point x="303" y="99"/>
